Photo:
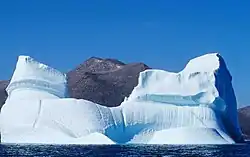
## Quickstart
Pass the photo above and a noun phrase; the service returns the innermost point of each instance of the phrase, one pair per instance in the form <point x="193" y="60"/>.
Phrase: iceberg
<point x="194" y="106"/>
<point x="34" y="78"/>
<point x="200" y="96"/>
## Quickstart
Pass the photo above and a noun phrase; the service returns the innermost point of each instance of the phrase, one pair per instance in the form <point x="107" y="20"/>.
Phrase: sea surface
<point x="126" y="150"/>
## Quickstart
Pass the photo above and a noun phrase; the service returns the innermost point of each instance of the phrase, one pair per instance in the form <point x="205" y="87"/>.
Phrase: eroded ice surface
<point x="44" y="81"/>
<point x="194" y="106"/>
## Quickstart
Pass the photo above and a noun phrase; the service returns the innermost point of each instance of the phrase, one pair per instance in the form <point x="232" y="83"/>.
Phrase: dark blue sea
<point x="126" y="150"/>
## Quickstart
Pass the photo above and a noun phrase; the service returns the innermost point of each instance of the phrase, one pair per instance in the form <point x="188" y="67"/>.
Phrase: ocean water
<point x="125" y="150"/>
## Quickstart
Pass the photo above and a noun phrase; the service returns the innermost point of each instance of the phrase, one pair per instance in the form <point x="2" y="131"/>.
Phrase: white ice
<point x="44" y="81"/>
<point x="194" y="106"/>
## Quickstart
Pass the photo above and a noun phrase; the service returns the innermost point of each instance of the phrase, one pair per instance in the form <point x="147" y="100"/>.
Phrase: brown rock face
<point x="104" y="81"/>
<point x="3" y="94"/>
<point x="244" y="120"/>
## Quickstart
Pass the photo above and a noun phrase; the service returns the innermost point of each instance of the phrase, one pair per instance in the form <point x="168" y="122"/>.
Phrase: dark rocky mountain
<point x="3" y="94"/>
<point x="103" y="81"/>
<point x="244" y="120"/>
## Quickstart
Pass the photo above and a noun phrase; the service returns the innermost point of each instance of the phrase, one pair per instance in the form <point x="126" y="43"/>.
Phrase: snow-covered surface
<point x="194" y="106"/>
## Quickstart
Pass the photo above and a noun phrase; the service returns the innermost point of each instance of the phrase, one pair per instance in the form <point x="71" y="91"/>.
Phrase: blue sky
<point x="163" y="34"/>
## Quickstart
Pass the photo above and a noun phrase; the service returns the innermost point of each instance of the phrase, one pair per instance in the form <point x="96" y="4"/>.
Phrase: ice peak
<point x="27" y="60"/>
<point x="206" y="63"/>
<point x="196" y="77"/>
<point x="29" y="71"/>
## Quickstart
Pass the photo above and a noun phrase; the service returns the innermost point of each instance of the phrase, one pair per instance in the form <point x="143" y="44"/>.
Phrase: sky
<point x="162" y="34"/>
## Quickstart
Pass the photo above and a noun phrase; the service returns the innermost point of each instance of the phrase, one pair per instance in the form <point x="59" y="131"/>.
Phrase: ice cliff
<point x="194" y="106"/>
